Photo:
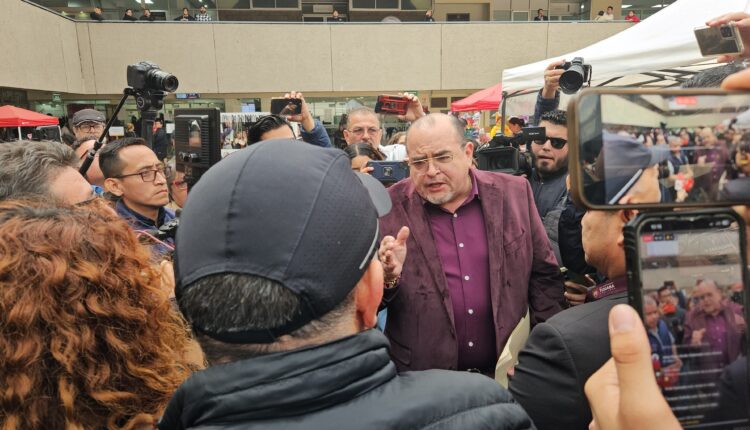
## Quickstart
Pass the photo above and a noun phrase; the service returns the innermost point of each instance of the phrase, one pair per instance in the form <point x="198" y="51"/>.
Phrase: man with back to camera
<point x="88" y="124"/>
<point x="478" y="258"/>
<point x="363" y="125"/>
<point x="202" y="15"/>
<point x="285" y="314"/>
<point x="563" y="352"/>
<point x="137" y="178"/>
<point x="278" y="127"/>
<point x="41" y="169"/>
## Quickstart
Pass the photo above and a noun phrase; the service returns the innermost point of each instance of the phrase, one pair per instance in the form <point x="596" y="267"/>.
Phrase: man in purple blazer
<point x="473" y="260"/>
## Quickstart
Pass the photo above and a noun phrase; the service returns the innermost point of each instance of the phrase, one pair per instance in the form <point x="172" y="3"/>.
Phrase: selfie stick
<point x="91" y="154"/>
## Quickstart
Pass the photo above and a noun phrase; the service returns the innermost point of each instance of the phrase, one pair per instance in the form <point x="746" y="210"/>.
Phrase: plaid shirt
<point x="199" y="17"/>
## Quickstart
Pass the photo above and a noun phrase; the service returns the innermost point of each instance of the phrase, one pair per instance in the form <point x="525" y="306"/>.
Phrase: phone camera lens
<point x="726" y="31"/>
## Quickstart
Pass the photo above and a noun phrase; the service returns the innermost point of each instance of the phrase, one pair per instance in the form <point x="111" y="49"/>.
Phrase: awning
<point x="11" y="116"/>
<point x="660" y="51"/>
<point x="486" y="99"/>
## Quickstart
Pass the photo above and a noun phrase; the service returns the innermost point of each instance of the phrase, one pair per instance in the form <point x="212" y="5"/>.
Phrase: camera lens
<point x="572" y="79"/>
<point x="726" y="31"/>
<point x="388" y="171"/>
<point x="162" y="81"/>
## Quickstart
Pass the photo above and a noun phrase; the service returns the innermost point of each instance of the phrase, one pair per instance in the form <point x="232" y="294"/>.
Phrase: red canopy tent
<point x="486" y="99"/>
<point x="11" y="116"/>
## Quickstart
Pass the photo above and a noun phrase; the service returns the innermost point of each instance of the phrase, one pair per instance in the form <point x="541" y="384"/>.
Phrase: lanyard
<point x="610" y="288"/>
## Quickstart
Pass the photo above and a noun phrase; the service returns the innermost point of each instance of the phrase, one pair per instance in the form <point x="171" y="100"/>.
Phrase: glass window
<point x="233" y="4"/>
<point x="363" y="4"/>
<point x="416" y="4"/>
<point x="387" y="4"/>
<point x="290" y="4"/>
<point x="264" y="4"/>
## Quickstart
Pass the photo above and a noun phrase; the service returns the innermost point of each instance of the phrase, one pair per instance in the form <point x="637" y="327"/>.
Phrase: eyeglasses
<point x="147" y="175"/>
<point x="422" y="164"/>
<point x="90" y="126"/>
<point x="360" y="131"/>
<point x="180" y="185"/>
<point x="556" y="142"/>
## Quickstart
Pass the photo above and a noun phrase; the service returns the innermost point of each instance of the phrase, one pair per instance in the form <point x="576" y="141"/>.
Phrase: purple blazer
<point x="523" y="273"/>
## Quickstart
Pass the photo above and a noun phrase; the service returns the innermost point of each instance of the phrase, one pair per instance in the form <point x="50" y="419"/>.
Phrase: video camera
<point x="150" y="84"/>
<point x="576" y="74"/>
<point x="504" y="156"/>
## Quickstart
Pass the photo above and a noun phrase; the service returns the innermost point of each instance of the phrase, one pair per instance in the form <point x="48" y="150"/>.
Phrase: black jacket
<point x="350" y="383"/>
<point x="129" y="18"/>
<point x="559" y="357"/>
<point x="147" y="18"/>
<point x="161" y="143"/>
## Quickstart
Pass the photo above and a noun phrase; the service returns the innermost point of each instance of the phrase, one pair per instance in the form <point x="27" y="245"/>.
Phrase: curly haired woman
<point x="88" y="338"/>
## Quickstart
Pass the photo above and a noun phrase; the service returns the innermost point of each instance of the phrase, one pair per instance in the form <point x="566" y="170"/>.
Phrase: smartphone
<point x="283" y="106"/>
<point x="389" y="172"/>
<point x="393" y="105"/>
<point x="677" y="143"/>
<point x="684" y="269"/>
<point x="724" y="39"/>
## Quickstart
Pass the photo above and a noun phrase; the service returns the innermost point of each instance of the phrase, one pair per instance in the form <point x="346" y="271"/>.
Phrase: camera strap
<point x="609" y="288"/>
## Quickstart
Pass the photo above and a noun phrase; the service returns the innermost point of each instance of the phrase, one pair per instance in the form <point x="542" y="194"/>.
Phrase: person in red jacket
<point x="632" y="17"/>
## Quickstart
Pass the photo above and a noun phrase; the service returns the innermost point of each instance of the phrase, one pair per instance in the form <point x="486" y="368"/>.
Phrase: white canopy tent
<point x="660" y="51"/>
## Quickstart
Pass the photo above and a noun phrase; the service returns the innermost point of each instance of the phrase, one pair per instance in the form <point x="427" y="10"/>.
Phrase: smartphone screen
<point x="693" y="307"/>
<point x="286" y="106"/>
<point x="393" y="105"/>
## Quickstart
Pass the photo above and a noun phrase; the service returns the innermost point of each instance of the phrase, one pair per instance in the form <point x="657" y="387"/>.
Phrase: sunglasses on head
<point x="556" y="142"/>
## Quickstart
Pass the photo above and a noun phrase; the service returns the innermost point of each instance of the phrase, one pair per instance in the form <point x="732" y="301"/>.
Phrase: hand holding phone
<point x="741" y="21"/>
<point x="722" y="40"/>
<point x="286" y="106"/>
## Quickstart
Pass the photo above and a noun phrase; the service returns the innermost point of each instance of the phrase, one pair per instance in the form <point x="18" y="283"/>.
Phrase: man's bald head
<point x="434" y="119"/>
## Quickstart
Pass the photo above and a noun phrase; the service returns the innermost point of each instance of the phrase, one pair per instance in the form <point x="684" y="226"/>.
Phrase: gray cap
<point x="87" y="115"/>
<point x="619" y="165"/>
<point x="287" y="211"/>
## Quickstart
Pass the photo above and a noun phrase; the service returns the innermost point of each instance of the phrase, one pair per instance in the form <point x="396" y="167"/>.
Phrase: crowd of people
<point x="298" y="292"/>
<point x="203" y="16"/>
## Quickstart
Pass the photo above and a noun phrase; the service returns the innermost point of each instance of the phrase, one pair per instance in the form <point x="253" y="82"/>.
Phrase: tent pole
<point x="502" y="114"/>
<point x="19" y="134"/>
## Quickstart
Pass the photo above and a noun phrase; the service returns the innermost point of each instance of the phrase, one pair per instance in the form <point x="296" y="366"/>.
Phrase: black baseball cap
<point x="620" y="164"/>
<point x="87" y="115"/>
<point x="287" y="211"/>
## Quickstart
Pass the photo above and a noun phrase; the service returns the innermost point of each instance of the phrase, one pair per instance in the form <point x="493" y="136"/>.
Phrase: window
<point x="457" y="17"/>
<point x="375" y="4"/>
<point x="439" y="102"/>
<point x="276" y="4"/>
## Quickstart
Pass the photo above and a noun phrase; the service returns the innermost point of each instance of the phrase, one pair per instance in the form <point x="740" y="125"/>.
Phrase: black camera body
<point x="576" y="74"/>
<point x="503" y="154"/>
<point x="150" y="85"/>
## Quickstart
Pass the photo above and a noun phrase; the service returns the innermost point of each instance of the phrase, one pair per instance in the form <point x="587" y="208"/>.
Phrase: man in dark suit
<point x="161" y="141"/>
<point x="562" y="353"/>
<point x="474" y="259"/>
